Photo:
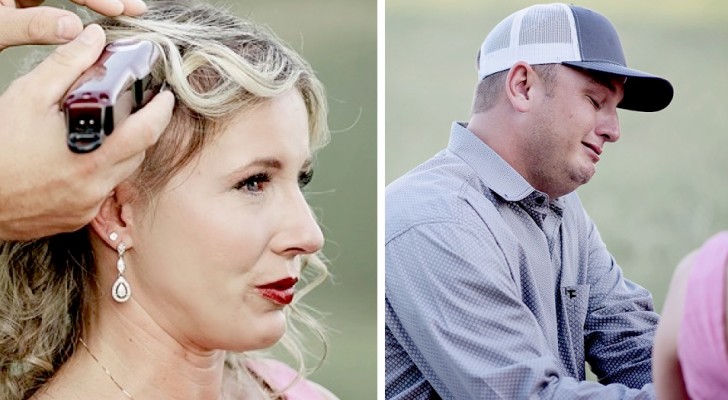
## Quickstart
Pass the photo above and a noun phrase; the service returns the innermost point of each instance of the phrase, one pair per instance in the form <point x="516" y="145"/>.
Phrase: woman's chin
<point x="267" y="332"/>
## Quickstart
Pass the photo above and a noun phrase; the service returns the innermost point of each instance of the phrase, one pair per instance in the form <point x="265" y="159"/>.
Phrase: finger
<point x="38" y="25"/>
<point x="114" y="7"/>
<point x="137" y="133"/>
<point x="27" y="3"/>
<point x="58" y="72"/>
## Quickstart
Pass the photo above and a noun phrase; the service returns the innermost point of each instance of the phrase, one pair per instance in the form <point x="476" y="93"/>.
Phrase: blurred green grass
<point x="661" y="190"/>
<point x="339" y="40"/>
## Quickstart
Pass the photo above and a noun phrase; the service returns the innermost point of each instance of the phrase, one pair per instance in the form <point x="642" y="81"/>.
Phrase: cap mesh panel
<point x="545" y="25"/>
<point x="500" y="37"/>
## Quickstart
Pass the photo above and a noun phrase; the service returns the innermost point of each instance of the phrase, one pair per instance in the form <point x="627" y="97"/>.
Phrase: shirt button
<point x="540" y="200"/>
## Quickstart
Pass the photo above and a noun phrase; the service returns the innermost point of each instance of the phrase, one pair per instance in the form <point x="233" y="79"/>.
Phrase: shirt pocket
<point x="575" y="302"/>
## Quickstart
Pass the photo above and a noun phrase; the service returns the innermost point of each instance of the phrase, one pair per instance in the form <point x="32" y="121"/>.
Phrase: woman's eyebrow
<point x="267" y="163"/>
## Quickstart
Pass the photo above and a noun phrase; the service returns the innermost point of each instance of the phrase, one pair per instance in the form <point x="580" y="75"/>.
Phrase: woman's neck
<point x="126" y="350"/>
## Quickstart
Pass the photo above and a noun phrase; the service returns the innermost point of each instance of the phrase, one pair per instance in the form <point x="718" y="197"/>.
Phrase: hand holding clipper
<point x="118" y="84"/>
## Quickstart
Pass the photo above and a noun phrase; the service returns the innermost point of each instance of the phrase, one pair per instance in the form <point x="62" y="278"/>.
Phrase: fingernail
<point x="135" y="7"/>
<point x="88" y="36"/>
<point x="118" y="5"/>
<point x="68" y="27"/>
<point x="142" y="4"/>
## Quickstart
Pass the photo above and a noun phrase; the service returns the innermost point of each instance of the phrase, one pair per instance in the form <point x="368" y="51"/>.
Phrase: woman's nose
<point x="300" y="233"/>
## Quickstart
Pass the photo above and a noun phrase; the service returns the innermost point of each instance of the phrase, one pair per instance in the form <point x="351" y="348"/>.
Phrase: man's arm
<point x="621" y="321"/>
<point x="461" y="319"/>
<point x="44" y="187"/>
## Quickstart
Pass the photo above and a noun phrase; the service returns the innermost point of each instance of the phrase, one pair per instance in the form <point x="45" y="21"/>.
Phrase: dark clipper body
<point x="118" y="84"/>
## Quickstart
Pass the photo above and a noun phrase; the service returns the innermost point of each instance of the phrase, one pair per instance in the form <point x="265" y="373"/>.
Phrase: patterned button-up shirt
<point x="495" y="291"/>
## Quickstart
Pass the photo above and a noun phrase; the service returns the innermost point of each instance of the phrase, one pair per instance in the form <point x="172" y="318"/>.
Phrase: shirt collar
<point x="493" y="170"/>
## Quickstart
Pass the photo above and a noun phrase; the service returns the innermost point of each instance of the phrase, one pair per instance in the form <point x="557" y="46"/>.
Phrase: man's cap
<point x="570" y="35"/>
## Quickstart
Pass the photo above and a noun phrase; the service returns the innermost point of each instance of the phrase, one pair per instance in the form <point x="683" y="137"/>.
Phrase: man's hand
<point x="24" y="22"/>
<point x="44" y="187"/>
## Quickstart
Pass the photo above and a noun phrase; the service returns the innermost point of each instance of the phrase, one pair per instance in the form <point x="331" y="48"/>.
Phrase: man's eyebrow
<point x="605" y="80"/>
<point x="598" y="78"/>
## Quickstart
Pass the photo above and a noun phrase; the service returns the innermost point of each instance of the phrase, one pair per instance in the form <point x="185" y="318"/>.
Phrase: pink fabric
<point x="279" y="376"/>
<point x="701" y="341"/>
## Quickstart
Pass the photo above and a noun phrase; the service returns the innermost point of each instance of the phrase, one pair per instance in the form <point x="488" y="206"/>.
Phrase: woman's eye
<point x="304" y="178"/>
<point x="254" y="184"/>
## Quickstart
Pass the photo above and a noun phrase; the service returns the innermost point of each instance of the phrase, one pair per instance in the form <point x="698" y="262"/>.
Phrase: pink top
<point x="702" y="339"/>
<point x="279" y="376"/>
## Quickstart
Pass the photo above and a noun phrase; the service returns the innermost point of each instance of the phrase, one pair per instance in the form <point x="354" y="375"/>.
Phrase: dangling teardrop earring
<point x="121" y="291"/>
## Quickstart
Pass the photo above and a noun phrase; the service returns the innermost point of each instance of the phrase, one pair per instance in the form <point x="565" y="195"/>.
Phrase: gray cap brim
<point x="642" y="91"/>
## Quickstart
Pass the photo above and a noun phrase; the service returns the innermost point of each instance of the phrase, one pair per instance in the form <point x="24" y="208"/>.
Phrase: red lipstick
<point x="280" y="291"/>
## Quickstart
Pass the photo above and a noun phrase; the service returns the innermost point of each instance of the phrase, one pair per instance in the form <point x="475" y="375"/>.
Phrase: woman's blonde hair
<point x="217" y="65"/>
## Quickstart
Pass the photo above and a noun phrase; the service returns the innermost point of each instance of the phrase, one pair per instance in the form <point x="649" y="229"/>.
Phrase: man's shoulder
<point x="430" y="193"/>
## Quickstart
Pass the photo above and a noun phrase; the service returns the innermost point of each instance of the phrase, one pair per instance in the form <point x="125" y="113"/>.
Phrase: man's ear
<point x="114" y="220"/>
<point x="519" y="85"/>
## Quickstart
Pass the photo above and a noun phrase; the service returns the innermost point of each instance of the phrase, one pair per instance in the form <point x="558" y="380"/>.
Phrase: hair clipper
<point x="117" y="85"/>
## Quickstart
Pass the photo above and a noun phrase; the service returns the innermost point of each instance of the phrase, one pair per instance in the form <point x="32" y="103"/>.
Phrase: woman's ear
<point x="519" y="84"/>
<point x="114" y="220"/>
